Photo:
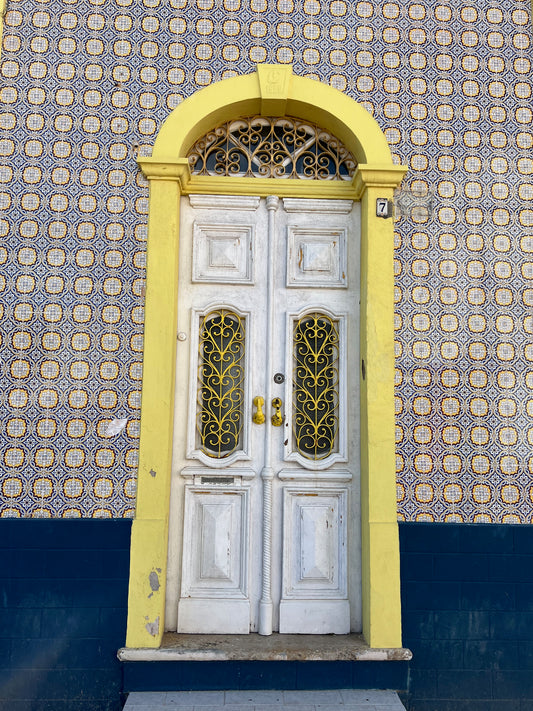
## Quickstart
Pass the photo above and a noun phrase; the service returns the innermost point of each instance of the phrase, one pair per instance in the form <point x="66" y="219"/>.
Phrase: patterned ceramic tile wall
<point x="85" y="86"/>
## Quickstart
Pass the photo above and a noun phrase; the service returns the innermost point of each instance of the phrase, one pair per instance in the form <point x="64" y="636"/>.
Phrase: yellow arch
<point x="274" y="91"/>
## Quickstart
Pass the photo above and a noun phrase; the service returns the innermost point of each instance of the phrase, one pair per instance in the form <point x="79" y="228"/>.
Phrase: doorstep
<point x="254" y="647"/>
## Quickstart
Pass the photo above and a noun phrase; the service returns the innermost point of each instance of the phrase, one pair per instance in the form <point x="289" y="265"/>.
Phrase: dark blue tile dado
<point x="418" y="624"/>
<point x="436" y="653"/>
<point x="74" y="534"/>
<point x="20" y="623"/>
<point x="488" y="596"/>
<point x="487" y="654"/>
<point x="429" y="538"/>
<point x="60" y="653"/>
<point x="424" y="595"/>
<point x="464" y="684"/>
<point x="29" y="563"/>
<point x="6" y="559"/>
<point x="180" y="676"/>
<point x="100" y="593"/>
<point x="517" y="684"/>
<point x="511" y="568"/>
<point x="324" y="675"/>
<point x="525" y="651"/>
<point x="69" y="623"/>
<point x="486" y="538"/>
<point x="139" y="676"/>
<point x="114" y="562"/>
<point x="523" y="539"/>
<point x="63" y="653"/>
<point x="380" y="675"/>
<point x="472" y="567"/>
<point x="524" y="597"/>
<point x="454" y="624"/>
<point x="257" y="675"/>
<point x="417" y="566"/>
<point x="112" y="623"/>
<point x="423" y="684"/>
<point x="511" y="625"/>
<point x="41" y="593"/>
<point x="86" y="564"/>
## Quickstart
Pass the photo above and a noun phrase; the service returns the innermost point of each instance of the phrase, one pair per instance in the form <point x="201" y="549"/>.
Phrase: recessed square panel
<point x="215" y="542"/>
<point x="314" y="558"/>
<point x="223" y="254"/>
<point x="316" y="257"/>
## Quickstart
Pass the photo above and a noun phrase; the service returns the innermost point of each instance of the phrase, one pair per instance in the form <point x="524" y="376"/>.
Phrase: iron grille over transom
<point x="264" y="147"/>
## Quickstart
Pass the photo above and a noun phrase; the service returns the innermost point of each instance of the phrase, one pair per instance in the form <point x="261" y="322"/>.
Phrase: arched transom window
<point x="266" y="147"/>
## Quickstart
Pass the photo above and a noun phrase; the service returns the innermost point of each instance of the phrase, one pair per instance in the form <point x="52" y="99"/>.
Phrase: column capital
<point x="370" y="175"/>
<point x="173" y="169"/>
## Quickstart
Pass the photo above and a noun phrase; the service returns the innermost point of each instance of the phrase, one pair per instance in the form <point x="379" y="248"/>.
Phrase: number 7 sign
<point x="383" y="207"/>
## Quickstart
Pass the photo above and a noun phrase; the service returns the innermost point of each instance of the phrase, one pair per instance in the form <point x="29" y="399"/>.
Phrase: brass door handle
<point x="277" y="417"/>
<point x="259" y="415"/>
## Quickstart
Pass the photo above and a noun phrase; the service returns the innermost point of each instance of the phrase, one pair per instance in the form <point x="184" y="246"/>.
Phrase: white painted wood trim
<point x="327" y="206"/>
<point x="233" y="473"/>
<point x="226" y="202"/>
<point x="196" y="616"/>
<point x="303" y="475"/>
<point x="314" y="616"/>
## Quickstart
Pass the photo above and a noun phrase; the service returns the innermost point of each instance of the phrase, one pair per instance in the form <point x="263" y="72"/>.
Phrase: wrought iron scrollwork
<point x="265" y="147"/>
<point x="316" y="386"/>
<point x="221" y="383"/>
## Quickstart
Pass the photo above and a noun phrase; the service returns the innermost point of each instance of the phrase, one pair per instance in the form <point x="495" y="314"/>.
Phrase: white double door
<point x="265" y="520"/>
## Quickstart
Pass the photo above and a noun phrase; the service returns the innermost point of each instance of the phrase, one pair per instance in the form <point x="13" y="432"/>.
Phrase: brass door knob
<point x="259" y="415"/>
<point x="277" y="417"/>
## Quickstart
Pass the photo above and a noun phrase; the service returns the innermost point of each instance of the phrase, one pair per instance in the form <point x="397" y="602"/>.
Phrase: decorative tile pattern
<point x="85" y="86"/>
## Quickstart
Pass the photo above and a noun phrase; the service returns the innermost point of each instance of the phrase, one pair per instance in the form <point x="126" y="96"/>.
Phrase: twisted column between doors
<point x="267" y="474"/>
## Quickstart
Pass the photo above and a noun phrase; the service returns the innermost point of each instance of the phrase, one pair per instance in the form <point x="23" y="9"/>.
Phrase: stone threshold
<point x="254" y="647"/>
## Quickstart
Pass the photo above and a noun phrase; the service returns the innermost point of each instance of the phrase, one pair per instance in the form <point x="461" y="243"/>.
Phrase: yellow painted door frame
<point x="271" y="91"/>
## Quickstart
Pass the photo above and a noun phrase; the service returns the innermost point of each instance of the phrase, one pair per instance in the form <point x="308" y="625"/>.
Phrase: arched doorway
<point x="272" y="91"/>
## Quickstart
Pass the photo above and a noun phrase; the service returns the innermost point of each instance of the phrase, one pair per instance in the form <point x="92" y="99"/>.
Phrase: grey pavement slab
<point x="328" y="700"/>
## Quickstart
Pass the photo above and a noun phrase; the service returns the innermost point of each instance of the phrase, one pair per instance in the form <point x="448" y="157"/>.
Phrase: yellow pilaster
<point x="146" y="607"/>
<point x="379" y="528"/>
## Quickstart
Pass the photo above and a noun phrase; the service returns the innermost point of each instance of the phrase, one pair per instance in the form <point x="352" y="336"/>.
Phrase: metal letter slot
<point x="217" y="480"/>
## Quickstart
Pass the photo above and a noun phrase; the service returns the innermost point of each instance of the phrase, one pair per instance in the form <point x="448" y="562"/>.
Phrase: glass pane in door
<point x="220" y="383"/>
<point x="316" y="385"/>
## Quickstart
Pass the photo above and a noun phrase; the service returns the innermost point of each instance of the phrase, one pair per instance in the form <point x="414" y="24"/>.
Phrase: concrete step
<point x="337" y="700"/>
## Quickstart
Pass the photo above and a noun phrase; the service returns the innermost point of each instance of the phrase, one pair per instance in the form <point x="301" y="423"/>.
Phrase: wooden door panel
<point x="215" y="560"/>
